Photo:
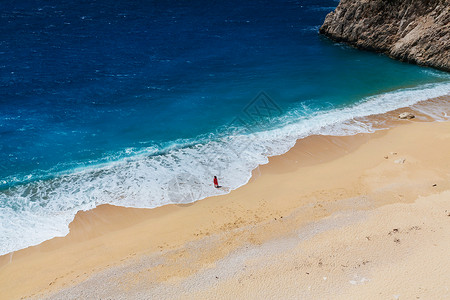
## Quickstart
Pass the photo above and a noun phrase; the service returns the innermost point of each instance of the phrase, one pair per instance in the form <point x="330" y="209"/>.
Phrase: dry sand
<point x="335" y="217"/>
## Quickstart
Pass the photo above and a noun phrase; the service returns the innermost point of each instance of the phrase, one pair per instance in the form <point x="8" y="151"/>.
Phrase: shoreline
<point x="272" y="199"/>
<point x="133" y="181"/>
<point x="61" y="191"/>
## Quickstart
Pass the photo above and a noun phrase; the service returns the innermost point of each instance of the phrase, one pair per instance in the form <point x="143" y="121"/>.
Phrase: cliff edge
<point x="415" y="31"/>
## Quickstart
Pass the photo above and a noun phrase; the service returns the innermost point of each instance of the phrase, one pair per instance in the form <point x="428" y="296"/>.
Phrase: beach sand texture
<point x="335" y="217"/>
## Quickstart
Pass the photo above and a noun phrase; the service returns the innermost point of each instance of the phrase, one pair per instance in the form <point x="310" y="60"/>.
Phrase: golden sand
<point x="335" y="217"/>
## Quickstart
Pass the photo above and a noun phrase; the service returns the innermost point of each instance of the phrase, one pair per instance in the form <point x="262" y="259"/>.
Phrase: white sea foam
<point x="330" y="8"/>
<point x="35" y="212"/>
<point x="311" y="28"/>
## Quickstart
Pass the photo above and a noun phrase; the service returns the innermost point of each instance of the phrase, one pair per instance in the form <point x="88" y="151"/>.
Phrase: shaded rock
<point x="415" y="31"/>
<point x="406" y="115"/>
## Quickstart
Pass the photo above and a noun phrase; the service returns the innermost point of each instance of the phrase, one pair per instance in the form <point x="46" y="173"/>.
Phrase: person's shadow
<point x="224" y="188"/>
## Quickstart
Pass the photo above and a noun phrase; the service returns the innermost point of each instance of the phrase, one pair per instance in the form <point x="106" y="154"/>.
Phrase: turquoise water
<point x="141" y="103"/>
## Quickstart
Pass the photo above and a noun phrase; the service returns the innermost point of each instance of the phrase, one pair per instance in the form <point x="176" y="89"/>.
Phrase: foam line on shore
<point x="43" y="209"/>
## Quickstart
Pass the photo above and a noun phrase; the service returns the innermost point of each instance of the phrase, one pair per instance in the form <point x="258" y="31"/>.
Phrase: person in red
<point x="216" y="182"/>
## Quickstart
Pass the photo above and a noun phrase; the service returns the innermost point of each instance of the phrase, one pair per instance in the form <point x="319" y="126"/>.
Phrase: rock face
<point x="416" y="31"/>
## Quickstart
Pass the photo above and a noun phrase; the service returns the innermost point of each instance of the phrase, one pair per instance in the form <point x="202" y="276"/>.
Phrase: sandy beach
<point x="363" y="216"/>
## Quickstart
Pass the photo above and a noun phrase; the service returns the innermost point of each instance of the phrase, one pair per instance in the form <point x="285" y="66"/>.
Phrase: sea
<point x="140" y="103"/>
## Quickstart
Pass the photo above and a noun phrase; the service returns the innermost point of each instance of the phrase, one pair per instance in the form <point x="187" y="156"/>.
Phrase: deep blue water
<point x="130" y="90"/>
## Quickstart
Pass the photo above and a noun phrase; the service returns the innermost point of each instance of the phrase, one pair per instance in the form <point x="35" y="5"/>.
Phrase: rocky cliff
<point x="416" y="31"/>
